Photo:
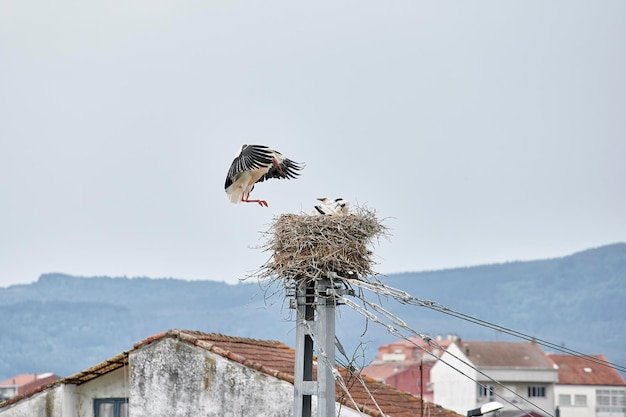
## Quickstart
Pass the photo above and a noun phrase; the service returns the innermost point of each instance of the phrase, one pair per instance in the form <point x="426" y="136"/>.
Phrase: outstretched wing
<point x="286" y="169"/>
<point x="250" y="157"/>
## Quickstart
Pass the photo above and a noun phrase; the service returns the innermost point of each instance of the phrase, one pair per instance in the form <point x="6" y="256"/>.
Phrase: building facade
<point x="588" y="387"/>
<point x="24" y="383"/>
<point x="406" y="364"/>
<point x="183" y="373"/>
<point x="472" y="373"/>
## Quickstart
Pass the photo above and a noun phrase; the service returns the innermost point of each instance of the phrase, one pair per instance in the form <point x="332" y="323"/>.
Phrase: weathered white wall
<point x="518" y="381"/>
<point x="451" y="389"/>
<point x="71" y="400"/>
<point x="68" y="401"/>
<point x="43" y="404"/>
<point x="572" y="410"/>
<point x="525" y="375"/>
<point x="115" y="384"/>
<point x="176" y="379"/>
<point x="173" y="378"/>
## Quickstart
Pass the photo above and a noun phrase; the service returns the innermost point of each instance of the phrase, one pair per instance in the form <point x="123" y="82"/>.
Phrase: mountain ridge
<point x="63" y="323"/>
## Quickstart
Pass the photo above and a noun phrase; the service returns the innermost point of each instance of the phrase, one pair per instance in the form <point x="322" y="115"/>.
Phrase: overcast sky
<point x="481" y="131"/>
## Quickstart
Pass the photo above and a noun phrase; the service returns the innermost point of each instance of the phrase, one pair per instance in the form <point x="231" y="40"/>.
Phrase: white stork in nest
<point x="256" y="163"/>
<point x="329" y="207"/>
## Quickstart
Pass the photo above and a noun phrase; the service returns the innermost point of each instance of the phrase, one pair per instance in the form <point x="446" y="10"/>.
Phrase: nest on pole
<point x="310" y="247"/>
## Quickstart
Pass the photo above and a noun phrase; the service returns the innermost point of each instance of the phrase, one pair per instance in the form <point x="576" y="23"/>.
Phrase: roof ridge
<point x="221" y="345"/>
<point x="210" y="341"/>
<point x="193" y="336"/>
<point x="568" y="355"/>
<point x="220" y="337"/>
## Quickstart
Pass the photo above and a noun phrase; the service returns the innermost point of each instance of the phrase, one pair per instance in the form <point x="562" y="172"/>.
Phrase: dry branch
<point x="308" y="247"/>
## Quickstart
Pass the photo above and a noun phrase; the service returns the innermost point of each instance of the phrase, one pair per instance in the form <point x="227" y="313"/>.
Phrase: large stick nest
<point x="308" y="247"/>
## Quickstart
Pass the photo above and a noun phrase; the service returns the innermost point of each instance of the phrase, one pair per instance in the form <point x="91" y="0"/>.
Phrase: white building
<point x="588" y="388"/>
<point x="24" y="383"/>
<point x="184" y="373"/>
<point x="524" y="376"/>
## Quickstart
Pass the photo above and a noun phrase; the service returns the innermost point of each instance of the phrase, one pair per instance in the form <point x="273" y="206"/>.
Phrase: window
<point x="536" y="392"/>
<point x="565" y="400"/>
<point x="110" y="407"/>
<point x="485" y="391"/>
<point x="611" y="400"/>
<point x="580" y="400"/>
<point x="8" y="392"/>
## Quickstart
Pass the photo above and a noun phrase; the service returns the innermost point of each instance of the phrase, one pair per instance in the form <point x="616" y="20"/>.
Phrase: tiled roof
<point x="574" y="370"/>
<point x="23" y="379"/>
<point x="102" y="368"/>
<point x="277" y="359"/>
<point x="506" y="354"/>
<point x="42" y="379"/>
<point x="29" y="383"/>
<point x="416" y="348"/>
<point x="413" y="341"/>
<point x="384" y="370"/>
<point x="253" y="353"/>
<point x="81" y="377"/>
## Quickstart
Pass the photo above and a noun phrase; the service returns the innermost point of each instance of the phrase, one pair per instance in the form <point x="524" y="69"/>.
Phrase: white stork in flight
<point x="256" y="163"/>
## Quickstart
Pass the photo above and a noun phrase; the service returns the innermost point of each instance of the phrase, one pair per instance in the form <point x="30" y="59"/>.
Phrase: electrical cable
<point x="336" y="375"/>
<point x="430" y="341"/>
<point x="405" y="298"/>
<point x="397" y="323"/>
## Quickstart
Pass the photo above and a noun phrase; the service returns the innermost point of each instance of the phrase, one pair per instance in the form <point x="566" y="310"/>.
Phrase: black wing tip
<point x="296" y="166"/>
<point x="245" y="145"/>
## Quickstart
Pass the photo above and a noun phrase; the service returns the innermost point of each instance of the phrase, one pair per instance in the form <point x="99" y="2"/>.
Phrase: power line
<point x="429" y="340"/>
<point x="524" y="336"/>
<point x="337" y="376"/>
<point x="405" y="298"/>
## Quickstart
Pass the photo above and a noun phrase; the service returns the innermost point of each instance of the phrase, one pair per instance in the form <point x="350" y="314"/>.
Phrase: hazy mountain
<point x="64" y="324"/>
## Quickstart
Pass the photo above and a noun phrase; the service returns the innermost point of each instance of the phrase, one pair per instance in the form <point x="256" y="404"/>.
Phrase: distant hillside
<point x="64" y="324"/>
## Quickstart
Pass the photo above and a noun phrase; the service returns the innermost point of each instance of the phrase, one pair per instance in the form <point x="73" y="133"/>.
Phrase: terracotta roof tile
<point x="413" y="341"/>
<point x="43" y="379"/>
<point x="506" y="354"/>
<point x="574" y="370"/>
<point x="81" y="377"/>
<point x="385" y="370"/>
<point x="19" y="380"/>
<point x="277" y="359"/>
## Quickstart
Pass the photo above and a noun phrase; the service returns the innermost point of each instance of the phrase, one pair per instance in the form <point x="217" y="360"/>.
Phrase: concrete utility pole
<point x="317" y="257"/>
<point x="318" y="295"/>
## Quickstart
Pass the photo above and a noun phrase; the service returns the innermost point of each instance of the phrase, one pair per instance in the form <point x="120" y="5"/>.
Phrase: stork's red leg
<point x="247" y="200"/>
<point x="261" y="202"/>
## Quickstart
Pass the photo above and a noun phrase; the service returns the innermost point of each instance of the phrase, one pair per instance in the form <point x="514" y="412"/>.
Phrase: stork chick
<point x="332" y="207"/>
